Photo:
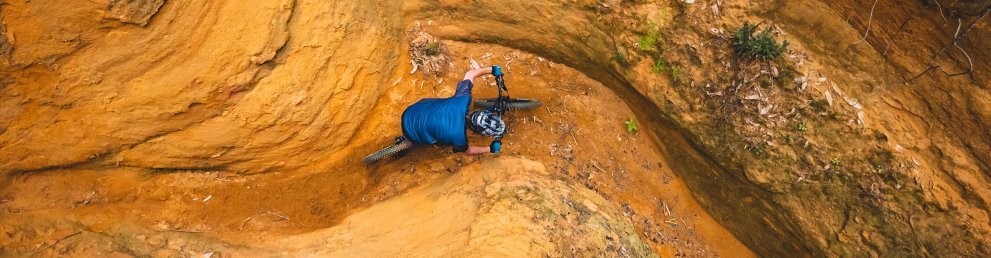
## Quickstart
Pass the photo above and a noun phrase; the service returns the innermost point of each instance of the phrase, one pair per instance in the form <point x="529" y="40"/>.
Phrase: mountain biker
<point x="443" y="121"/>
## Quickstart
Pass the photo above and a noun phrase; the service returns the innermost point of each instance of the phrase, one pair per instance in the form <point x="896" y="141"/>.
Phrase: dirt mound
<point x="498" y="207"/>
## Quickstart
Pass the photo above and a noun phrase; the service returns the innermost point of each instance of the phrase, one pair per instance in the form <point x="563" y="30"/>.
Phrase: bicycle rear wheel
<point x="512" y="103"/>
<point x="392" y="149"/>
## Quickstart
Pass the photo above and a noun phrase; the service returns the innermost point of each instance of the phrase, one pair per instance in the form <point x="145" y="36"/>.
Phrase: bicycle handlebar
<point x="496" y="146"/>
<point x="496" y="70"/>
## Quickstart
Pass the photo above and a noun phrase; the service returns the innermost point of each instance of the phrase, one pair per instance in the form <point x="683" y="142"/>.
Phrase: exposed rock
<point x="133" y="11"/>
<point x="5" y="46"/>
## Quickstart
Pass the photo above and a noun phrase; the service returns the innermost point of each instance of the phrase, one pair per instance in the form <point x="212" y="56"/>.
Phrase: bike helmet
<point x="486" y="122"/>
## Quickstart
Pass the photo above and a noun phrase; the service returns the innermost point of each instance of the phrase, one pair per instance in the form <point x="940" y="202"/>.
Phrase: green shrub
<point x="433" y="49"/>
<point x="757" y="46"/>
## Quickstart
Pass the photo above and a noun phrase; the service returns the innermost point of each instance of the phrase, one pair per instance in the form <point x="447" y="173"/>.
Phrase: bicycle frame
<point x="496" y="145"/>
<point x="501" y="85"/>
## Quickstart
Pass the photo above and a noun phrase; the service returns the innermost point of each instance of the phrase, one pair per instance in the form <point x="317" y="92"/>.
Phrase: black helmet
<point x="486" y="122"/>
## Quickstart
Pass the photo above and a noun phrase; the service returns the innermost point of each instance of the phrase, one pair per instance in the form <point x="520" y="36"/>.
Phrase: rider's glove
<point x="496" y="70"/>
<point x="495" y="146"/>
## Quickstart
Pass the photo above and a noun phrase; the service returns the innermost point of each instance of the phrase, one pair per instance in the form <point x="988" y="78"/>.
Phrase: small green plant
<point x="675" y="72"/>
<point x="631" y="126"/>
<point x="659" y="67"/>
<point x="757" y="46"/>
<point x="835" y="161"/>
<point x="803" y="127"/>
<point x="648" y="41"/>
<point x="433" y="49"/>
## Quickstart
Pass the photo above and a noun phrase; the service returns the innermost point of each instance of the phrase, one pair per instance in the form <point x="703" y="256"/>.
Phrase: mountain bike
<point x="499" y="105"/>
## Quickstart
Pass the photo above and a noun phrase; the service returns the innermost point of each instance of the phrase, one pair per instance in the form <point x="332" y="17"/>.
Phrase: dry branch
<point x="940" y="7"/>
<point x="956" y="40"/>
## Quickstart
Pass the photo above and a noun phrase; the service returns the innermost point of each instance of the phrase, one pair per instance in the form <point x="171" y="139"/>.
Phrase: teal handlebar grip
<point x="496" y="146"/>
<point x="496" y="70"/>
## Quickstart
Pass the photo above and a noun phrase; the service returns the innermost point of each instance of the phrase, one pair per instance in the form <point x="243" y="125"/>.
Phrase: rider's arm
<point x="476" y="150"/>
<point x="464" y="87"/>
<point x="470" y="75"/>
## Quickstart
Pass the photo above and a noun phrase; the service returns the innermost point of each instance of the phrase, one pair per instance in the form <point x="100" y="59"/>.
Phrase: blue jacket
<point x="440" y="121"/>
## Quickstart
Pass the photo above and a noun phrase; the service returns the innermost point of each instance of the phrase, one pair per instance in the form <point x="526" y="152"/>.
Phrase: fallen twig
<point x="283" y="217"/>
<point x="64" y="238"/>
<point x="571" y="131"/>
<point x="183" y="230"/>
<point x="538" y="121"/>
<point x="940" y="7"/>
<point x="900" y="27"/>
<point x="244" y="223"/>
<point x="596" y="165"/>
<point x="956" y="39"/>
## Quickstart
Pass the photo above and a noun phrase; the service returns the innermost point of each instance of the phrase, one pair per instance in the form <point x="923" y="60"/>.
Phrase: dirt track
<point x="168" y="127"/>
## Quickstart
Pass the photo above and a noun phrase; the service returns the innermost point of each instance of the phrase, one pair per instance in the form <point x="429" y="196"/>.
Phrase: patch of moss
<point x="659" y="67"/>
<point x="621" y="59"/>
<point x="648" y="41"/>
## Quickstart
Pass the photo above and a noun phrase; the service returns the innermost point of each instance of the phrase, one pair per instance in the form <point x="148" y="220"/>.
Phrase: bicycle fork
<point x="496" y="145"/>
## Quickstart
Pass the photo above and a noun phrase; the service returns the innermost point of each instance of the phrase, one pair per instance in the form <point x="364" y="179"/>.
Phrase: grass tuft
<point x="753" y="46"/>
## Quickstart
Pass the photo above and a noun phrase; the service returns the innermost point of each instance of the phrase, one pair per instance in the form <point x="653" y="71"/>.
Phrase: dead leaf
<point x="765" y="110"/>
<point x="474" y="64"/>
<point x="829" y="97"/>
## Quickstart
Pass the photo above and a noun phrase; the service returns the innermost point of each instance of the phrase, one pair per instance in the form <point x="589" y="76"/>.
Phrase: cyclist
<point x="443" y="121"/>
